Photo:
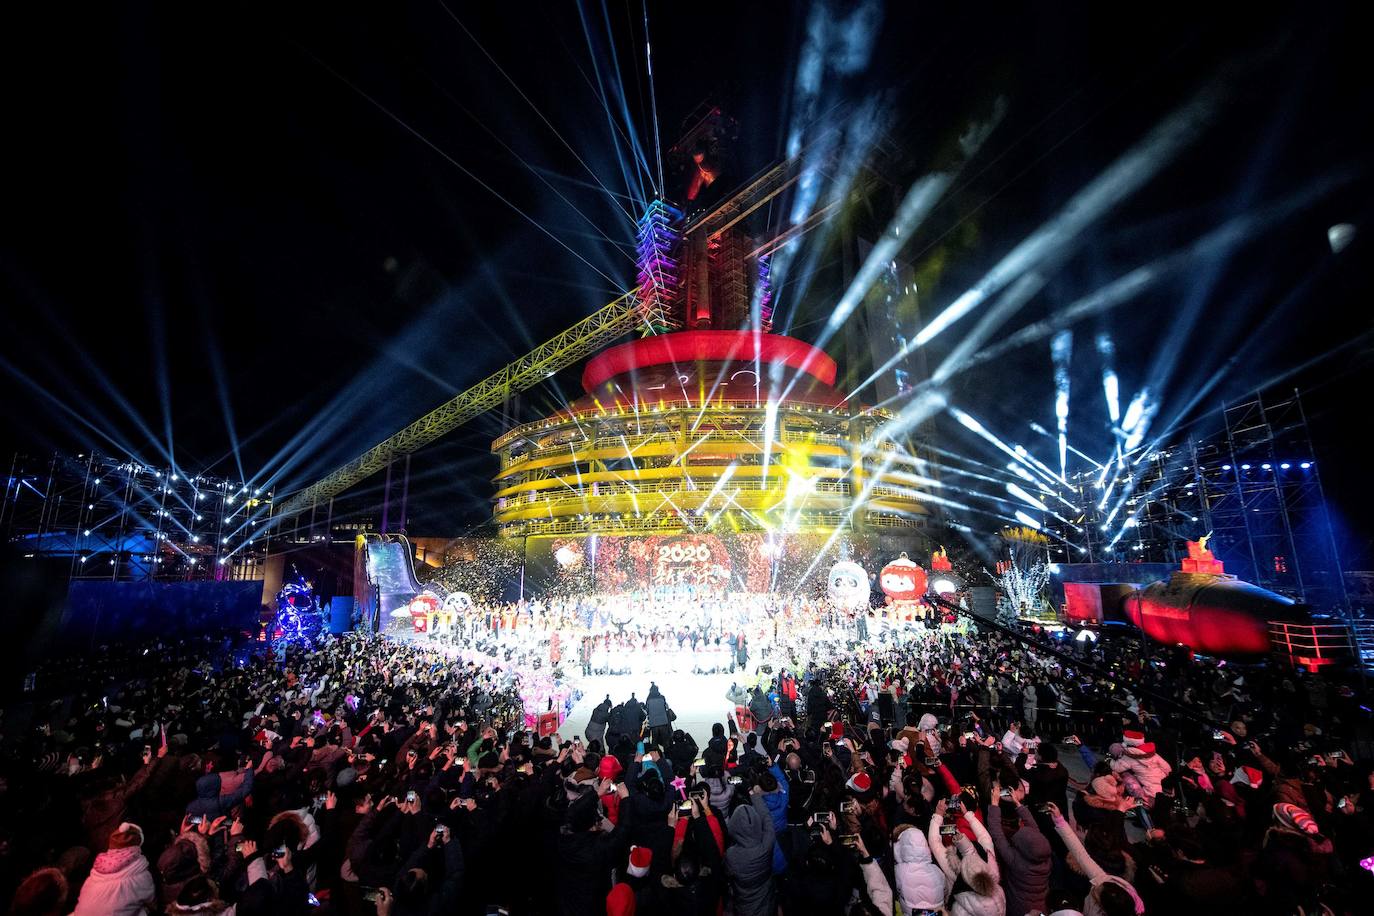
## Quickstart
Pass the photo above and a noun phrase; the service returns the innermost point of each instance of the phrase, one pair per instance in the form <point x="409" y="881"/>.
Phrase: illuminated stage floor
<point x="698" y="699"/>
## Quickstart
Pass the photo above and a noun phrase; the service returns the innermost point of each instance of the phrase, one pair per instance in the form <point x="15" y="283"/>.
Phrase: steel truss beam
<point x="589" y="335"/>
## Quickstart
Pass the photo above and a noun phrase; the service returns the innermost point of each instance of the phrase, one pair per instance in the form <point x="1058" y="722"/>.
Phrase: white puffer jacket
<point x="962" y="860"/>
<point x="921" y="884"/>
<point x="120" y="884"/>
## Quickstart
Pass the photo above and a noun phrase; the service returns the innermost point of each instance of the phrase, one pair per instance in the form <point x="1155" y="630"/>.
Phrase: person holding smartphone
<point x="1025" y="856"/>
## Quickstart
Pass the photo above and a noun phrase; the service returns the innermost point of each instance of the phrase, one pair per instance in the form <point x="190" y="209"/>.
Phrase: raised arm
<point x="1077" y="854"/>
<point x="938" y="852"/>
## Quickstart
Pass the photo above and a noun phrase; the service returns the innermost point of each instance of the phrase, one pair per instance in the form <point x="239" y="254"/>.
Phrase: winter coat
<point x="683" y="753"/>
<point x="444" y="865"/>
<point x="585" y="860"/>
<point x="1025" y="860"/>
<point x="656" y="709"/>
<point x="921" y="884"/>
<point x="1096" y="875"/>
<point x="210" y="803"/>
<point x="749" y="860"/>
<point x="634" y="716"/>
<point x="776" y="802"/>
<point x="963" y="861"/>
<point x="760" y="709"/>
<point x="601" y="713"/>
<point x="103" y="813"/>
<point x="615" y="722"/>
<point x="186" y="857"/>
<point x="721" y="792"/>
<point x="1148" y="771"/>
<point x="875" y="882"/>
<point x="120" y="884"/>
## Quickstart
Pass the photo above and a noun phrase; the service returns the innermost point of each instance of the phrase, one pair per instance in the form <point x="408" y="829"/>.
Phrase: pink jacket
<point x="1147" y="771"/>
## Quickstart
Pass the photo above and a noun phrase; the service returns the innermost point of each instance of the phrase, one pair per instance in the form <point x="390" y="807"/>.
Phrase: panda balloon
<point x="847" y="585"/>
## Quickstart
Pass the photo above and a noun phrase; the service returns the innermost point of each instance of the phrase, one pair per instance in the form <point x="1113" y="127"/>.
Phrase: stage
<point x="698" y="699"/>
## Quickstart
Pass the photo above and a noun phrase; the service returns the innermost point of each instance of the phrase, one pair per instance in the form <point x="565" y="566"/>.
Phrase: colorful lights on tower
<point x="763" y="292"/>
<point x="656" y="246"/>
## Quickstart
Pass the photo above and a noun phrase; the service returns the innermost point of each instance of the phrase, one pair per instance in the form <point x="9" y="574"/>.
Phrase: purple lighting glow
<point x="656" y="245"/>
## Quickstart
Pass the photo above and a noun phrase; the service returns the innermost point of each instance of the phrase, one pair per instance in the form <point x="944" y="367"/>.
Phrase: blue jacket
<point x="209" y="803"/>
<point x="777" y="807"/>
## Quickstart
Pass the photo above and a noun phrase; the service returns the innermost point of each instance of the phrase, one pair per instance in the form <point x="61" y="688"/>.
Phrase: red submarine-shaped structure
<point x="1202" y="607"/>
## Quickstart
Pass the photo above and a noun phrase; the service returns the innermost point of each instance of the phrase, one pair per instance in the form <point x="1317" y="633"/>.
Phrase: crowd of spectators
<point x="945" y="773"/>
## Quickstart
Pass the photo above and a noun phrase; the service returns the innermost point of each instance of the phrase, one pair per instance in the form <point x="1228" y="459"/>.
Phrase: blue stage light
<point x="1305" y="465"/>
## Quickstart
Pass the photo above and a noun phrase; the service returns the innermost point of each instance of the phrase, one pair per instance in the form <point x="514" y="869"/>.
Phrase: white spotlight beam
<point x="1119" y="181"/>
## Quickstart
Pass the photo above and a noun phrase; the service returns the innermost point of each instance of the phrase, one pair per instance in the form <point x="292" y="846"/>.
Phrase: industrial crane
<point x="629" y="313"/>
<point x="603" y="326"/>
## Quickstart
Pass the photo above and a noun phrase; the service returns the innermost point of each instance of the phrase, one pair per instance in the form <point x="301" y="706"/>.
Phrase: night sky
<point x="270" y="238"/>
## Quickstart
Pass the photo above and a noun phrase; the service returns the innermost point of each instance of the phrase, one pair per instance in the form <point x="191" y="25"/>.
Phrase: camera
<point x="411" y="797"/>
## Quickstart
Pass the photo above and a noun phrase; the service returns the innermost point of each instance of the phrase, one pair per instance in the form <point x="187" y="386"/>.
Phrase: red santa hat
<point x="1141" y="750"/>
<point x="641" y="857"/>
<point x="836" y="731"/>
<point x="1248" y="776"/>
<point x="859" y="783"/>
<point x="620" y="901"/>
<point x="1132" y="739"/>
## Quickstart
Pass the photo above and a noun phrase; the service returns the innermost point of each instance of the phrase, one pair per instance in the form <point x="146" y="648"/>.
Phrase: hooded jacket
<point x="210" y="803"/>
<point x="1148" y="770"/>
<point x="186" y="857"/>
<point x="760" y="708"/>
<point x="749" y="859"/>
<point x="120" y="884"/>
<point x="927" y="727"/>
<point x="921" y="885"/>
<point x="961" y="863"/>
<point x="776" y="802"/>
<point x="1025" y="860"/>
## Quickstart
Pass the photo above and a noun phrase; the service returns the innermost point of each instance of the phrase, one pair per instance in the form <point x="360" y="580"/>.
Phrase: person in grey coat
<point x="658" y="717"/>
<point x="596" y="725"/>
<point x="749" y="859"/>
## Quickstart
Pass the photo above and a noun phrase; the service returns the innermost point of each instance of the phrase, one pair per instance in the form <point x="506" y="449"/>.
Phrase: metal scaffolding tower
<point x="1255" y="484"/>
